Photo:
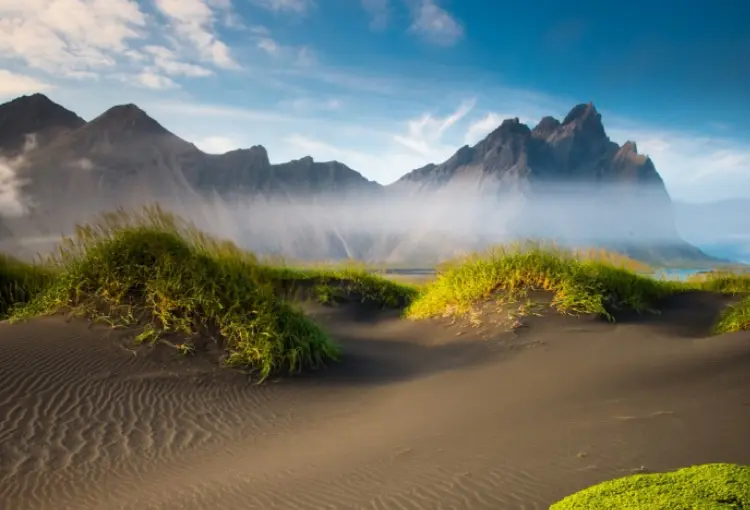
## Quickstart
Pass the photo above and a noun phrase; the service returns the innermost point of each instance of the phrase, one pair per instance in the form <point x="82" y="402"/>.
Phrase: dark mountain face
<point x="33" y="115"/>
<point x="555" y="180"/>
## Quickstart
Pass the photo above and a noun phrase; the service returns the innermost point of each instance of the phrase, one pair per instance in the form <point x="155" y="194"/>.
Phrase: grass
<point x="20" y="281"/>
<point x="152" y="271"/>
<point x="704" y="487"/>
<point x="580" y="282"/>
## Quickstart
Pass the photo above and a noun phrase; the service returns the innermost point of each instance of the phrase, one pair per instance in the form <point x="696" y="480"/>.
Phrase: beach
<point x="418" y="415"/>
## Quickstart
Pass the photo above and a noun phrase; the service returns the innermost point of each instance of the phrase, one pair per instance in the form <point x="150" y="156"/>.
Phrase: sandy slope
<point x="418" y="417"/>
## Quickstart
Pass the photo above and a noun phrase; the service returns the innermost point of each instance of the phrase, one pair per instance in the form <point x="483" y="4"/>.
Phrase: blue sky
<point x="389" y="85"/>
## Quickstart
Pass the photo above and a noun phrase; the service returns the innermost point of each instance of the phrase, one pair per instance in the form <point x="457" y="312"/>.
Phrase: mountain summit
<point x="35" y="115"/>
<point x="566" y="180"/>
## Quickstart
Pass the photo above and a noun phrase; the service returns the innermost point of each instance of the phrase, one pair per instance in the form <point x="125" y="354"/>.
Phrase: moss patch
<point x="705" y="487"/>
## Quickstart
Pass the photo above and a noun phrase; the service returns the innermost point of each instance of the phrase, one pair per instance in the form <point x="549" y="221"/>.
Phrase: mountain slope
<point x="562" y="180"/>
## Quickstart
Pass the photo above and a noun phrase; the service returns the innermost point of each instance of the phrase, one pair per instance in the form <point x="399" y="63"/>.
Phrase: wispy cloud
<point x="151" y="80"/>
<point x="309" y="104"/>
<point x="67" y="37"/>
<point x="217" y="144"/>
<point x="14" y="84"/>
<point x="483" y="126"/>
<point x="290" y="6"/>
<point x="378" y="11"/>
<point x="435" y="24"/>
<point x="695" y="167"/>
<point x="193" y="22"/>
<point x="91" y="39"/>
<point x="425" y="134"/>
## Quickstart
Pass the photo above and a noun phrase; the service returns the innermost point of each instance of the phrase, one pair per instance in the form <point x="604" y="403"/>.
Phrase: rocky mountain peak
<point x="546" y="127"/>
<point x="586" y="119"/>
<point x="127" y="118"/>
<point x="580" y="113"/>
<point x="34" y="114"/>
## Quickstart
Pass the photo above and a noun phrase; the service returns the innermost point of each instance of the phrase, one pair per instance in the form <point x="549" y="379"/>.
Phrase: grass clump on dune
<point x="20" y="281"/>
<point x="331" y="284"/>
<point x="147" y="270"/>
<point x="736" y="317"/>
<point x="580" y="282"/>
<point x="704" y="487"/>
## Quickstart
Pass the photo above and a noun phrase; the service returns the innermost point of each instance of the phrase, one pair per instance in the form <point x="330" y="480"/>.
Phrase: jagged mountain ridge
<point x="125" y="157"/>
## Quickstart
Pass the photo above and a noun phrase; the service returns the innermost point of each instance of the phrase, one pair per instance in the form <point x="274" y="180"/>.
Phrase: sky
<point x="387" y="86"/>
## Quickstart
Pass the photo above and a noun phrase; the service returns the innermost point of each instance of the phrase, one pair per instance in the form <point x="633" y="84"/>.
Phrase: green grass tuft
<point x="704" y="487"/>
<point x="579" y="282"/>
<point x="143" y="276"/>
<point x="20" y="281"/>
<point x="156" y="272"/>
<point x="735" y="318"/>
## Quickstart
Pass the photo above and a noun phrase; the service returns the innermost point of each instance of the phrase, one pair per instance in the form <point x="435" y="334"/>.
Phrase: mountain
<point x="33" y="115"/>
<point x="563" y="180"/>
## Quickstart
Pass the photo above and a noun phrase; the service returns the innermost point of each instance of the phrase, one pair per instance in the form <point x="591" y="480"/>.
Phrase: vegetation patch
<point x="735" y="318"/>
<point x="330" y="285"/>
<point x="20" y="281"/>
<point x="592" y="282"/>
<point x="154" y="272"/>
<point x="704" y="487"/>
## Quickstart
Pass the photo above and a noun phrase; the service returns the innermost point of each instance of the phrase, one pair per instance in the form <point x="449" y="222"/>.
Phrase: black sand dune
<point x="420" y="415"/>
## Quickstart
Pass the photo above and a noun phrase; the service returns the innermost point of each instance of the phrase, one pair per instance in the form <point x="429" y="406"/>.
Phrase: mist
<point x="12" y="203"/>
<point x="401" y="227"/>
<point x="720" y="228"/>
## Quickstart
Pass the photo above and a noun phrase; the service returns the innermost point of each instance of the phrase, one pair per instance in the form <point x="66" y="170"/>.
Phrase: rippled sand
<point x="418" y="417"/>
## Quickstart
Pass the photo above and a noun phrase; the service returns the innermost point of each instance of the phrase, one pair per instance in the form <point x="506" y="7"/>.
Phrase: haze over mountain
<point x="564" y="180"/>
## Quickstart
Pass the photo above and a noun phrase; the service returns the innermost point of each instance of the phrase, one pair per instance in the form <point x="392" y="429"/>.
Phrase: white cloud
<point x="694" y="167"/>
<point x="293" y="6"/>
<point x="216" y="144"/>
<point x="378" y="11"/>
<point x="14" y="84"/>
<point x="167" y="61"/>
<point x="480" y="128"/>
<point x="68" y="36"/>
<point x="269" y="46"/>
<point x="194" y="21"/>
<point x="386" y="164"/>
<point x="154" y="81"/>
<point x="296" y="56"/>
<point x="435" y="24"/>
<point x="425" y="134"/>
<point x="307" y="104"/>
<point x="118" y="39"/>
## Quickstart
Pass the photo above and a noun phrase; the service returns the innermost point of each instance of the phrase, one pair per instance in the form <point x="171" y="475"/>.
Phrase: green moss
<point x="705" y="487"/>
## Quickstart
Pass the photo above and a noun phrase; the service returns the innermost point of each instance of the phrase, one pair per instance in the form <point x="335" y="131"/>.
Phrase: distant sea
<point x="677" y="274"/>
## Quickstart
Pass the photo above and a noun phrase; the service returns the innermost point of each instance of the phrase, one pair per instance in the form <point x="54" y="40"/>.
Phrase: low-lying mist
<point x="411" y="228"/>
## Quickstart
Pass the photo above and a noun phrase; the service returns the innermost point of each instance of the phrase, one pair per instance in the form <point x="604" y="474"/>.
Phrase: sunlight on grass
<point x="581" y="281"/>
<point x="709" y="486"/>
<point x="152" y="270"/>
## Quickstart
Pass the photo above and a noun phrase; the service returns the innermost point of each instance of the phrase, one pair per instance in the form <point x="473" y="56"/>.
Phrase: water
<point x="677" y="274"/>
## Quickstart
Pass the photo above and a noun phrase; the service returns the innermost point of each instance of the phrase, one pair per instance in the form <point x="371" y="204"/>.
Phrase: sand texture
<point x="420" y="415"/>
